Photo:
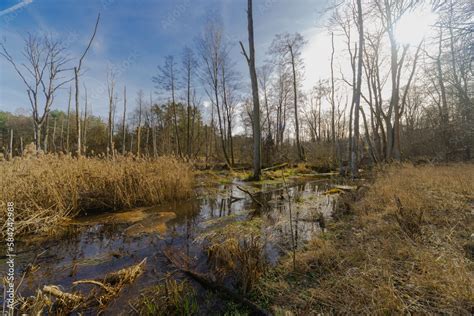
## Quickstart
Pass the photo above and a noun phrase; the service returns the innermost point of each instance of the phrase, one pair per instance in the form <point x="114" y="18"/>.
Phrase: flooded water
<point x="95" y="245"/>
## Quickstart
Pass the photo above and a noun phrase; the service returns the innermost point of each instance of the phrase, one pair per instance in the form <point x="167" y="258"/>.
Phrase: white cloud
<point x="15" y="7"/>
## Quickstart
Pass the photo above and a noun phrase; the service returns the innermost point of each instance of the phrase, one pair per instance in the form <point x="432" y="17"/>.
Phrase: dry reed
<point x="406" y="249"/>
<point x="48" y="189"/>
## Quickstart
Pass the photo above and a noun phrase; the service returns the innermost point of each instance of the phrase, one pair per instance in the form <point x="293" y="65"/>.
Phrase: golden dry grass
<point x="236" y="251"/>
<point x="407" y="248"/>
<point x="48" y="189"/>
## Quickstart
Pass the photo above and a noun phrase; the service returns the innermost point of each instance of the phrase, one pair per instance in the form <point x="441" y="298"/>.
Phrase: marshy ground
<point x="298" y="242"/>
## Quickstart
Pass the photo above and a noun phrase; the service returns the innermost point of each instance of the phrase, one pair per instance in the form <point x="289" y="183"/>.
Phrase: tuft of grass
<point x="401" y="250"/>
<point x="48" y="189"/>
<point x="170" y="298"/>
<point x="236" y="251"/>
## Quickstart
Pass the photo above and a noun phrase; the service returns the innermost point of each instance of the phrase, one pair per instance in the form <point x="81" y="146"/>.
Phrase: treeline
<point x="155" y="138"/>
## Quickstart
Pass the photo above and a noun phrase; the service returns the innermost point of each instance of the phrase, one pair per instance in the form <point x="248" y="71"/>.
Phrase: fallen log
<point x="251" y="196"/>
<point x="346" y="187"/>
<point x="276" y="167"/>
<point x="217" y="288"/>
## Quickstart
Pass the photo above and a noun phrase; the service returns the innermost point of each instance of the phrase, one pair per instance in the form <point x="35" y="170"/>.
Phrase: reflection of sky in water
<point x="96" y="245"/>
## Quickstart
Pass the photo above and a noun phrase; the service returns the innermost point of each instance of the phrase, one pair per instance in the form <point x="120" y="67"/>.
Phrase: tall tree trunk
<point x="84" y="140"/>
<point x="367" y="137"/>
<point x="444" y="103"/>
<point x="175" y="118"/>
<point x="295" y="94"/>
<point x="62" y="133"/>
<point x="139" y="128"/>
<point x="21" y="146"/>
<point x="46" y="134"/>
<point x="188" y="114"/>
<point x="110" y="133"/>
<point x="54" y="135"/>
<point x="78" y="114"/>
<point x="124" y="131"/>
<point x="68" y="120"/>
<point x="355" y="139"/>
<point x="394" y="134"/>
<point x="257" y="150"/>
<point x="10" y="152"/>
<point x="221" y="129"/>
<point x="37" y="130"/>
<point x="333" y="101"/>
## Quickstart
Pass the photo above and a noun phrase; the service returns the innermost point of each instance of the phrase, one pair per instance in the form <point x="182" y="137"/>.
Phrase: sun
<point x="415" y="25"/>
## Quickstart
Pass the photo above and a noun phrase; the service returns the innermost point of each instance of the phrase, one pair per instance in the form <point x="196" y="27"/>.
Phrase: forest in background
<point x="399" y="101"/>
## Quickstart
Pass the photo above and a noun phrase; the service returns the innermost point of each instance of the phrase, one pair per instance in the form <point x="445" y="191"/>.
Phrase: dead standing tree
<point x="77" y="70"/>
<point x="110" y="122"/>
<point x="41" y="74"/>
<point x="124" y="118"/>
<point x="250" y="57"/>
<point x="140" y="101"/>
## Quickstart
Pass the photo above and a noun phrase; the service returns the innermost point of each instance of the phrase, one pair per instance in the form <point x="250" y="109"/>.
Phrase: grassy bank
<point x="49" y="189"/>
<point x="404" y="247"/>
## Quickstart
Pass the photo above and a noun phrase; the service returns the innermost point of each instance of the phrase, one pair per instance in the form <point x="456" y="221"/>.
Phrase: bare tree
<point x="42" y="75"/>
<point x="167" y="80"/>
<point x="289" y="47"/>
<point x="390" y="12"/>
<point x="77" y="70"/>
<point x="189" y="64"/>
<point x="213" y="50"/>
<point x="250" y="57"/>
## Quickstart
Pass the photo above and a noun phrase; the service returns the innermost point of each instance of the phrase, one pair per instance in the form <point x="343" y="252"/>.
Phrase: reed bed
<point x="405" y="248"/>
<point x="48" y="189"/>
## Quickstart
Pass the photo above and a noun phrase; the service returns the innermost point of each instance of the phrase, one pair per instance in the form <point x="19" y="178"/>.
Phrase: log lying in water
<point x="217" y="288"/>
<point x="251" y="196"/>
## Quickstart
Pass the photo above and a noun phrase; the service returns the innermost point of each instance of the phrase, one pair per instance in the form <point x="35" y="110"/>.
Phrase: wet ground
<point x="96" y="244"/>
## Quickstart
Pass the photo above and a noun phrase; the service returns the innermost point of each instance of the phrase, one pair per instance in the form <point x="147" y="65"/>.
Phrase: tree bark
<point x="68" y="119"/>
<point x="124" y="131"/>
<point x="78" y="114"/>
<point x="295" y="94"/>
<point x="257" y="159"/>
<point x="355" y="139"/>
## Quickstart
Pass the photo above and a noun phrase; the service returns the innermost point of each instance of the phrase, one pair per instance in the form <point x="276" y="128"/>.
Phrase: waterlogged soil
<point x="96" y="244"/>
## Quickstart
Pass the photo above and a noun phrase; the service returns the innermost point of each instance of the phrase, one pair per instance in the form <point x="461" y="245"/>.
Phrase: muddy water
<point x="97" y="244"/>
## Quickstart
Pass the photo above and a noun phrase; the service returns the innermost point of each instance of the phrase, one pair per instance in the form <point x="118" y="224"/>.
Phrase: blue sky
<point x="134" y="36"/>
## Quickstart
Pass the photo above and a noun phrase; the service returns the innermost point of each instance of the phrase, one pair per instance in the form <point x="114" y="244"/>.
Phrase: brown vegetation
<point x="48" y="189"/>
<point x="236" y="253"/>
<point x="52" y="300"/>
<point x="405" y="248"/>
